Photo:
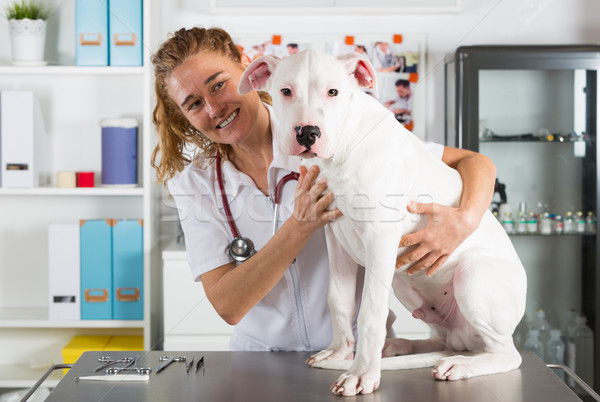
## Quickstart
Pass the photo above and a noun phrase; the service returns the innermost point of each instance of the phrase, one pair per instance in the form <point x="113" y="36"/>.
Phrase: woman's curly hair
<point x="175" y="133"/>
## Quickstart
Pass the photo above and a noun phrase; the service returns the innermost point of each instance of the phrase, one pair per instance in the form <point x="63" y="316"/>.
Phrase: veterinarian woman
<point x="277" y="298"/>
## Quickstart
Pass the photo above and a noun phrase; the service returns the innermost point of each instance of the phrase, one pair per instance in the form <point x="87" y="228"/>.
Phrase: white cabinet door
<point x="190" y="321"/>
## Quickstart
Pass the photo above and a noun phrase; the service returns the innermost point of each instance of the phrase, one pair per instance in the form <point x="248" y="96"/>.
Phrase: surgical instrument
<point x="166" y="360"/>
<point x="109" y="362"/>
<point x="200" y="363"/>
<point x="189" y="365"/>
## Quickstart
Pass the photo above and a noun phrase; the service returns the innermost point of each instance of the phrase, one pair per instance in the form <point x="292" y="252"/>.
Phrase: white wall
<point x="478" y="22"/>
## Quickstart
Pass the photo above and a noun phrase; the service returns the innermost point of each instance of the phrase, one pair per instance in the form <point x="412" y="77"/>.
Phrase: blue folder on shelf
<point x="96" y="269"/>
<point x="128" y="270"/>
<point x="91" y="33"/>
<point x="125" y="30"/>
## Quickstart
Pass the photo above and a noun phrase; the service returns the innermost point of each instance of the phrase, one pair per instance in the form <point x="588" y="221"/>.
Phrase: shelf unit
<point x="73" y="100"/>
<point x="512" y="90"/>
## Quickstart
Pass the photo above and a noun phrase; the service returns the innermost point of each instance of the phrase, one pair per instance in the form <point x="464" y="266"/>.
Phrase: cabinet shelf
<point x="550" y="235"/>
<point x="78" y="191"/>
<point x="70" y="70"/>
<point x="528" y="138"/>
<point x="23" y="317"/>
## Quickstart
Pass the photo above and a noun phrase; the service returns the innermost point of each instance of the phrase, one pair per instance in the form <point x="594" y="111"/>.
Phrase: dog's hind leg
<point x="490" y="294"/>
<point x="341" y="298"/>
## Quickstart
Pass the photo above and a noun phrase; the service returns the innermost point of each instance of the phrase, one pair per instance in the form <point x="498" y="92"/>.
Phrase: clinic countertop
<point x="283" y="376"/>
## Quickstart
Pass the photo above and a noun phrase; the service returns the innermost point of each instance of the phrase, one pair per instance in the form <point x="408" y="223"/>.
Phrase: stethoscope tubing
<point x="234" y="230"/>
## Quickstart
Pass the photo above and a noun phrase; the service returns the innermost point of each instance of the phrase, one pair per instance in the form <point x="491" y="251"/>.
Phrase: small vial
<point x="569" y="223"/>
<point x="532" y="223"/>
<point x="545" y="224"/>
<point x="579" y="222"/>
<point x="558" y="226"/>
<point x="507" y="222"/>
<point x="521" y="223"/>
<point x="590" y="223"/>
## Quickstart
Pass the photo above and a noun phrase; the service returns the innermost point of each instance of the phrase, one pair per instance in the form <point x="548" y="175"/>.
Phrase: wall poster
<point x="399" y="62"/>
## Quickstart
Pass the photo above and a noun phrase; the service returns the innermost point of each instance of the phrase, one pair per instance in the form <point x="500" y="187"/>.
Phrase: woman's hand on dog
<point x="446" y="229"/>
<point x="312" y="200"/>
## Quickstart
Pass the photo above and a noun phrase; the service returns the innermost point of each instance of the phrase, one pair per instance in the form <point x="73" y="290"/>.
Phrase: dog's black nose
<point x="307" y="136"/>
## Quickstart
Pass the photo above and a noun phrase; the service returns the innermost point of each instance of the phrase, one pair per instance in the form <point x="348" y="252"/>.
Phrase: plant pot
<point x="27" y="40"/>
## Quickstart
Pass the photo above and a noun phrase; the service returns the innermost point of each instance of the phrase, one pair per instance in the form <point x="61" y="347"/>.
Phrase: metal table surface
<point x="283" y="376"/>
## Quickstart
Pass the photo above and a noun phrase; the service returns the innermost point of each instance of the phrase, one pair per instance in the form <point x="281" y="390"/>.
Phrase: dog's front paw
<point x="351" y="384"/>
<point x="452" y="369"/>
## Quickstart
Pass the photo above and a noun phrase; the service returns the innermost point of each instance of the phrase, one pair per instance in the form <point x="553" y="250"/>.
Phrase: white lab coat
<point x="294" y="315"/>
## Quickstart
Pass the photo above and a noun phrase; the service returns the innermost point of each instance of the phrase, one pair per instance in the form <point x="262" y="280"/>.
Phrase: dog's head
<point x="311" y="91"/>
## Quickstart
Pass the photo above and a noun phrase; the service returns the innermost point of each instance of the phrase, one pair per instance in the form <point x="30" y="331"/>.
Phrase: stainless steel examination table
<point x="283" y="376"/>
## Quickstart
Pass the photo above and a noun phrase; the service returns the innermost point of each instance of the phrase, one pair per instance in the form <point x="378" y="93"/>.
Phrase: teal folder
<point x="96" y="269"/>
<point x="128" y="270"/>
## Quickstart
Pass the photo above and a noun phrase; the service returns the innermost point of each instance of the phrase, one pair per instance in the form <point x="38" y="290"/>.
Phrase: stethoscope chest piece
<point x="241" y="248"/>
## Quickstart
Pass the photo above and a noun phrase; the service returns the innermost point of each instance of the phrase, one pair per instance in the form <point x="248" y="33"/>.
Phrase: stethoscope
<point x="242" y="248"/>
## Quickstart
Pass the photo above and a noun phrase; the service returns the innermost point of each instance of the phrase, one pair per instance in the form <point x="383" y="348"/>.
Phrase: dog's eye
<point x="332" y="92"/>
<point x="286" y="92"/>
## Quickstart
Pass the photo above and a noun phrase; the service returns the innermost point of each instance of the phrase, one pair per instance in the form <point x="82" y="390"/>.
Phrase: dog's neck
<point x="355" y="128"/>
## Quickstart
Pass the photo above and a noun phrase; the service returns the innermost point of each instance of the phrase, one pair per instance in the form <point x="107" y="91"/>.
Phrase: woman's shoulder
<point x="193" y="177"/>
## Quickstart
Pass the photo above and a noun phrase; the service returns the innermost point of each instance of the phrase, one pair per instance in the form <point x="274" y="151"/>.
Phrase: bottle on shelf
<point x="569" y="223"/>
<point x="568" y="323"/>
<point x="533" y="343"/>
<point x="545" y="224"/>
<point x="540" y="324"/>
<point x="507" y="222"/>
<point x="555" y="351"/>
<point x="532" y="224"/>
<point x="579" y="222"/>
<point x="581" y="351"/>
<point x="590" y="223"/>
<point x="521" y="223"/>
<point x="558" y="225"/>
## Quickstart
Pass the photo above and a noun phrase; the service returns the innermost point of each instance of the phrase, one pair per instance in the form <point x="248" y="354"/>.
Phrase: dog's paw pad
<point x="451" y="369"/>
<point x="350" y="385"/>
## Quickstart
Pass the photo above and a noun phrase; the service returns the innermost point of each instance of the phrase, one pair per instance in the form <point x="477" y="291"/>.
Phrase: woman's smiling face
<point x="204" y="87"/>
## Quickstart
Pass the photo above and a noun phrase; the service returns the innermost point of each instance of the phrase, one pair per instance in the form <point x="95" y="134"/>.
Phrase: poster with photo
<point x="397" y="60"/>
<point x="274" y="45"/>
<point x="392" y="57"/>
<point x="396" y="65"/>
<point x="396" y="92"/>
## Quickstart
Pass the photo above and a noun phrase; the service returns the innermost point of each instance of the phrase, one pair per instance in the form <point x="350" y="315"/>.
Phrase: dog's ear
<point x="257" y="74"/>
<point x="362" y="70"/>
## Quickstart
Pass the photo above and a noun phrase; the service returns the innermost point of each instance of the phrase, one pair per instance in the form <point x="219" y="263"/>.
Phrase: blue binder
<point x="91" y="31"/>
<point x="125" y="29"/>
<point x="128" y="270"/>
<point x="96" y="269"/>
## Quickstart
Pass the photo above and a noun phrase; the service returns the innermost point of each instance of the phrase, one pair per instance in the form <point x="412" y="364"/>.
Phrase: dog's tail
<point x="419" y="360"/>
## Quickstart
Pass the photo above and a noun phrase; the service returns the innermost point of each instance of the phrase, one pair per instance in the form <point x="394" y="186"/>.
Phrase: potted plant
<point x="27" y="21"/>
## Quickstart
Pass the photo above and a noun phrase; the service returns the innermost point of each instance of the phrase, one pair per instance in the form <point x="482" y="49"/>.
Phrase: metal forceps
<point x="109" y="362"/>
<point x="166" y="360"/>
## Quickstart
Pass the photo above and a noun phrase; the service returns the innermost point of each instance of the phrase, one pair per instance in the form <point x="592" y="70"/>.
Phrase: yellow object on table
<point x="81" y="343"/>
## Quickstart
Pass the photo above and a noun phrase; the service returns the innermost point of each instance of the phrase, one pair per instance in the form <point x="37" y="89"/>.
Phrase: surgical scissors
<point x="109" y="362"/>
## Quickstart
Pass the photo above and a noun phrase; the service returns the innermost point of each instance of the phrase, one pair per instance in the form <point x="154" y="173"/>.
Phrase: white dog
<point x="375" y="166"/>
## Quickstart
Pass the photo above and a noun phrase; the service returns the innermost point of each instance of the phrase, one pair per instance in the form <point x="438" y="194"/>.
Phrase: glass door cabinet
<point x="533" y="110"/>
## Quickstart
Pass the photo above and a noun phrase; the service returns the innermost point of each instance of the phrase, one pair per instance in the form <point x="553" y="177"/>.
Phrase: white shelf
<point x="23" y="317"/>
<point x="79" y="191"/>
<point x="24" y="376"/>
<point x="70" y="70"/>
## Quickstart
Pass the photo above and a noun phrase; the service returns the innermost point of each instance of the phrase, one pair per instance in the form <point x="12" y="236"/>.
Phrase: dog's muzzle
<point x="307" y="136"/>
